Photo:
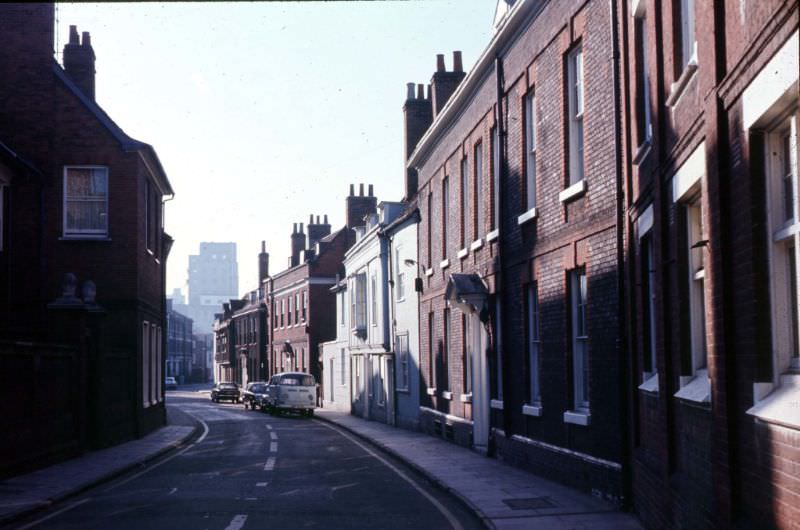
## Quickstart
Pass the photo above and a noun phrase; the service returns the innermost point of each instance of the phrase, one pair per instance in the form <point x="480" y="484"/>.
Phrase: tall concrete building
<point x="213" y="280"/>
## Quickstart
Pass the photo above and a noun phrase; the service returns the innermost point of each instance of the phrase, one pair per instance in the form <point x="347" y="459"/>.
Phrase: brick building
<point x="180" y="346"/>
<point x="711" y="121"/>
<point x="92" y="198"/>
<point x="514" y="167"/>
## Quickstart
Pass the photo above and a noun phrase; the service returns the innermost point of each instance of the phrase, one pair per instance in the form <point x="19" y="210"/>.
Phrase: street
<point x="251" y="470"/>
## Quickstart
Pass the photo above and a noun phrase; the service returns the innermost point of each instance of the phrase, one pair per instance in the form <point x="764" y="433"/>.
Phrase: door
<point x="480" y="383"/>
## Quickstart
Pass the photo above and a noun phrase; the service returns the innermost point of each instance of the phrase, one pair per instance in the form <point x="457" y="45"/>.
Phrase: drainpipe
<point x="625" y="366"/>
<point x="391" y="319"/>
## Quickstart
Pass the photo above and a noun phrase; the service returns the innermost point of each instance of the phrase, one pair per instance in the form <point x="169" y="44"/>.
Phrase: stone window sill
<point x="677" y="88"/>
<point x="780" y="405"/>
<point x="642" y="152"/>
<point x="650" y="384"/>
<point x="429" y="272"/>
<point x="695" y="388"/>
<point x="493" y="235"/>
<point x="532" y="410"/>
<point x="463" y="253"/>
<point x="478" y="243"/>
<point x="430" y="391"/>
<point x="577" y="417"/>
<point x="444" y="264"/>
<point x="573" y="192"/>
<point x="446" y="394"/>
<point x="527" y="216"/>
<point x="496" y="404"/>
<point x="466" y="398"/>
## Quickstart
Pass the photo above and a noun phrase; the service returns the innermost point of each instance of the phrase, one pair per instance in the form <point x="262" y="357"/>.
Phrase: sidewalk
<point x="25" y="494"/>
<point x="486" y="485"/>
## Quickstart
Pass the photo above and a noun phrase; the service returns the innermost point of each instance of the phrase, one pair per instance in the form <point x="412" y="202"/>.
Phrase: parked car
<point x="227" y="391"/>
<point x="253" y="393"/>
<point x="170" y="383"/>
<point x="291" y="391"/>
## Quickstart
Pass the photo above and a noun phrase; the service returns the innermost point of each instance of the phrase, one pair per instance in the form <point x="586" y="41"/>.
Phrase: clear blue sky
<point x="264" y="113"/>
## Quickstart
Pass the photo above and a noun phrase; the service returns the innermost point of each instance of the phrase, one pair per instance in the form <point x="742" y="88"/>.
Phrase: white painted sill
<point x="577" y="418"/>
<point x="573" y="192"/>
<point x="678" y="87"/>
<point x="478" y="243"/>
<point x="496" y="404"/>
<point x="642" y="152"/>
<point x="463" y="253"/>
<point x="444" y="263"/>
<point x="466" y="398"/>
<point x="446" y="394"/>
<point x="781" y="405"/>
<point x="429" y="272"/>
<point x="532" y="410"/>
<point x="527" y="216"/>
<point x="430" y="391"/>
<point x="650" y="384"/>
<point x="493" y="235"/>
<point x="695" y="388"/>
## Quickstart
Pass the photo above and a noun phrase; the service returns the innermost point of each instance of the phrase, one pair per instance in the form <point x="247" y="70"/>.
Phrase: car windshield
<point x="297" y="380"/>
<point x="227" y="385"/>
<point x="258" y="388"/>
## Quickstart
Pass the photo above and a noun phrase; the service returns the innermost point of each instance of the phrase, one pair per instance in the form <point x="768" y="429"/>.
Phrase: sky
<point x="263" y="113"/>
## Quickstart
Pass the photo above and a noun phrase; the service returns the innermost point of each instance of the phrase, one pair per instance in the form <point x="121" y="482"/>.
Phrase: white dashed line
<point x="173" y="491"/>
<point x="237" y="522"/>
<point x="270" y="465"/>
<point x="273" y="447"/>
<point x="261" y="484"/>
<point x="269" y="427"/>
<point x="273" y="435"/>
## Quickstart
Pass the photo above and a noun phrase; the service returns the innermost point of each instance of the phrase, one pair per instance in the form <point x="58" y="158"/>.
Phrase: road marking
<point x="237" y="522"/>
<point x="270" y="465"/>
<point x="273" y="447"/>
<point x="273" y="435"/>
<point x="250" y="498"/>
<point x="261" y="484"/>
<point x="269" y="426"/>
<point x="59" y="512"/>
<point x="343" y="486"/>
<point x="162" y="462"/>
<point x="449" y="516"/>
<point x="173" y="491"/>
<point x="291" y="492"/>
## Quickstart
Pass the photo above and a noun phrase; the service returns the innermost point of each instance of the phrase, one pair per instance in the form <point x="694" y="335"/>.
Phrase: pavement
<point x="502" y="496"/>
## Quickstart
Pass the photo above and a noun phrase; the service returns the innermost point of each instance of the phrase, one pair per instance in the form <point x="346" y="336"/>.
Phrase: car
<point x="253" y="393"/>
<point x="170" y="383"/>
<point x="226" y="391"/>
<point x="291" y="392"/>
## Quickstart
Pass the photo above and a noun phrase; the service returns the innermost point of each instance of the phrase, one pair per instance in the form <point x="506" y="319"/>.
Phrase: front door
<point x="480" y="383"/>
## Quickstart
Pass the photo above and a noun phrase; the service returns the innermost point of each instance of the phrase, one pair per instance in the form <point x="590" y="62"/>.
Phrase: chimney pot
<point x="361" y="190"/>
<point x="429" y="92"/>
<point x="326" y="218"/>
<point x="420" y="91"/>
<point x="457" y="65"/>
<point x="409" y="90"/>
<point x="294" y="228"/>
<point x="73" y="35"/>
<point x="370" y="190"/>
<point x="318" y="219"/>
<point x="263" y="246"/>
<point x="440" y="63"/>
<point x="311" y="219"/>
<point x="87" y="39"/>
<point x="301" y="228"/>
<point x="352" y="190"/>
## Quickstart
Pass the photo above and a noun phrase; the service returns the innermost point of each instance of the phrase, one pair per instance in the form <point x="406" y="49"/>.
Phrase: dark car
<point x="227" y="391"/>
<point x="253" y="393"/>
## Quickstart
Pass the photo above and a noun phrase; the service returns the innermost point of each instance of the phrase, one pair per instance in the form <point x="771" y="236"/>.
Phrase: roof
<point x="125" y="141"/>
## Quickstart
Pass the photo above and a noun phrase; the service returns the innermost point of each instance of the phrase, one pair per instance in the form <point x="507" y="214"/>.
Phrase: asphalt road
<point x="251" y="470"/>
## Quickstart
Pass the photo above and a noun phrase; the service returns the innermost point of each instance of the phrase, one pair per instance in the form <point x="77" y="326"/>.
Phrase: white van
<point x="291" y="391"/>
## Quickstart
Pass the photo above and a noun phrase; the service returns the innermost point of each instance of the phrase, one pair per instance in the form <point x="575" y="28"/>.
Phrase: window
<point x="86" y="201"/>
<point x="580" y="357"/>
<point x="305" y="304"/>
<point x="145" y="364"/>
<point x="429" y="228"/>
<point x="465" y="221"/>
<point x="341" y="367"/>
<point x="431" y="354"/>
<point x="445" y="375"/>
<point x="374" y="301"/>
<point x="695" y="250"/>
<point x="530" y="151"/>
<point x="379" y="380"/>
<point x="575" y="118"/>
<point x="275" y="312"/>
<point x="400" y="284"/>
<point x="297" y="308"/>
<point x="283" y="310"/>
<point x="330" y="378"/>
<point x="532" y="294"/>
<point x="467" y="352"/>
<point x="495" y="178"/>
<point x="498" y="349"/>
<point x="688" y="44"/>
<point x="648" y="304"/>
<point x="643" y="126"/>
<point x="357" y="378"/>
<point x="479" y="206"/>
<point x="343" y="303"/>
<point x="445" y="213"/>
<point x="402" y="361"/>
<point x="782" y="201"/>
<point x="152" y="217"/>
<point x="360" y="302"/>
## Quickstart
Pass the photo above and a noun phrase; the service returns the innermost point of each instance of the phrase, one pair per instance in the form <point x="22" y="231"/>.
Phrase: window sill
<point x="478" y="243"/>
<point x="577" y="418"/>
<point x="527" y="216"/>
<point x="780" y="406"/>
<point x="493" y="235"/>
<point x="466" y="398"/>
<point x="532" y="410"/>
<point x="463" y="253"/>
<point x="400" y="300"/>
<point x="573" y="192"/>
<point x="650" y="384"/>
<point x="84" y="238"/>
<point x="446" y="394"/>
<point x="695" y="388"/>
<point x="678" y="87"/>
<point x="642" y="152"/>
<point x="444" y="263"/>
<point x="430" y="391"/>
<point x="496" y="404"/>
<point x="429" y="272"/>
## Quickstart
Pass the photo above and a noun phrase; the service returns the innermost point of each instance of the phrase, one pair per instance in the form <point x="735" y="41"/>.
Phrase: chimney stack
<point x="79" y="61"/>
<point x="317" y="231"/>
<point x="359" y="206"/>
<point x="298" y="244"/>
<point x="263" y="263"/>
<point x="444" y="83"/>
<point x="417" y="118"/>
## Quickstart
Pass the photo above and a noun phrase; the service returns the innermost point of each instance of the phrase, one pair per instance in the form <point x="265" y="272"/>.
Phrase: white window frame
<point x="445" y="213"/>
<point x="496" y="178"/>
<point x="88" y="233"/>
<point x="468" y="345"/>
<point x="374" y="299"/>
<point x="688" y="38"/>
<point x="478" y="202"/>
<point x="466" y="227"/>
<point x="580" y="339"/>
<point x="400" y="281"/>
<point x="643" y="76"/>
<point x="359" y="323"/>
<point x="696" y="235"/>
<point x="575" y="102"/>
<point x="342" y="375"/>
<point x="534" y="343"/>
<point x="145" y="363"/>
<point x="530" y="151"/>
